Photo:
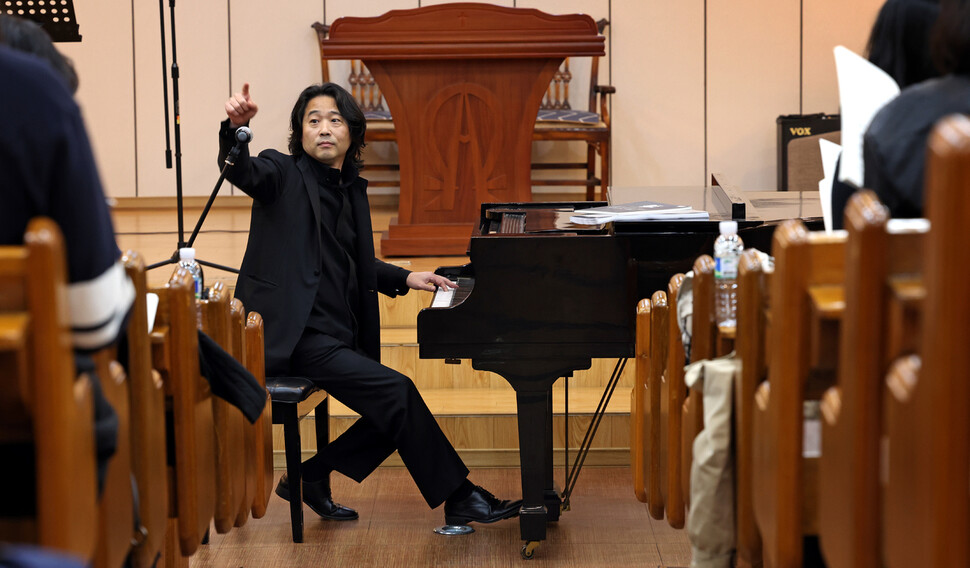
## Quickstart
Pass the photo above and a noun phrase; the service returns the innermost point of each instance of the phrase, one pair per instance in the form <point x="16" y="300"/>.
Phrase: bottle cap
<point x="187" y="253"/>
<point x="728" y="227"/>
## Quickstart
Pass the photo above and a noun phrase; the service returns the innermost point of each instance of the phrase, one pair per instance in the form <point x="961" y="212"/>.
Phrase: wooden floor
<point x="606" y="526"/>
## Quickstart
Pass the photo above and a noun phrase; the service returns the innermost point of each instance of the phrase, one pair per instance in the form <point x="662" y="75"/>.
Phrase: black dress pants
<point x="393" y="417"/>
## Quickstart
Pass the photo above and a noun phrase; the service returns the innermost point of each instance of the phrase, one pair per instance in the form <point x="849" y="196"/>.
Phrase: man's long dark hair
<point x="951" y="37"/>
<point x="347" y="107"/>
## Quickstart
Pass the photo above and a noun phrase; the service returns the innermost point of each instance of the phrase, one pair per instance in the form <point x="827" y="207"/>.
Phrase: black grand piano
<point x="541" y="297"/>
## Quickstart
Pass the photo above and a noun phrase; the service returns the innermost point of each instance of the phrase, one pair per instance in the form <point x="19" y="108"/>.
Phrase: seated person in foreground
<point x="899" y="44"/>
<point x="894" y="146"/>
<point x="310" y="270"/>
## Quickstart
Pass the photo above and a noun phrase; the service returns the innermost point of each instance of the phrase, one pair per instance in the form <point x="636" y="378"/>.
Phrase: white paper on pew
<point x="830" y="155"/>
<point x="152" y="300"/>
<point x="863" y="90"/>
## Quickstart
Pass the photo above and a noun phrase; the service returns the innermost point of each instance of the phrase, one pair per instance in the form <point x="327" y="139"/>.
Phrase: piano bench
<point x="293" y="398"/>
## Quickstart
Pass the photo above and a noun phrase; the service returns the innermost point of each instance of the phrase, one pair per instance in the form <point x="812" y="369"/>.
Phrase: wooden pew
<point x="45" y="413"/>
<point x="672" y="393"/>
<point x="751" y="346"/>
<point x="228" y="420"/>
<point x="115" y="508"/>
<point x="878" y="252"/>
<point x="655" y="442"/>
<point x="191" y="463"/>
<point x="239" y="348"/>
<point x="784" y="482"/>
<point x="702" y="346"/>
<point x="262" y="440"/>
<point x="927" y="513"/>
<point x="147" y="424"/>
<point x="640" y="405"/>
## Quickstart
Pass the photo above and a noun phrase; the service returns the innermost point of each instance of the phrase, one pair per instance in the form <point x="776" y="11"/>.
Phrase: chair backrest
<point x="752" y="338"/>
<point x="671" y="405"/>
<point x="557" y="95"/>
<point x="228" y="420"/>
<point x="876" y="254"/>
<point x="115" y="516"/>
<point x="261" y="450"/>
<point x="239" y="349"/>
<point x="47" y="414"/>
<point x="640" y="409"/>
<point x="148" y="443"/>
<point x="935" y="527"/>
<point x="175" y="355"/>
<point x="803" y="260"/>
<point x="655" y="440"/>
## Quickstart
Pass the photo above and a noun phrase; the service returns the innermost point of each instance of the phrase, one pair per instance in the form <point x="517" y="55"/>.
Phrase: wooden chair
<point x="147" y="424"/>
<point x="655" y="440"/>
<point x="640" y="405"/>
<point x="849" y="503"/>
<point x="784" y="482"/>
<point x="556" y="121"/>
<point x="250" y="453"/>
<point x="228" y="420"/>
<point x="188" y="402"/>
<point x="702" y="346"/>
<point x="46" y="414"/>
<point x="752" y="337"/>
<point x="260" y="444"/>
<point x="115" y="509"/>
<point x="930" y="415"/>
<point x="293" y="399"/>
<point x="672" y="393"/>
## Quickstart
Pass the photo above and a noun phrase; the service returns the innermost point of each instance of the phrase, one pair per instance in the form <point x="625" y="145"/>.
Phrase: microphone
<point x="243" y="136"/>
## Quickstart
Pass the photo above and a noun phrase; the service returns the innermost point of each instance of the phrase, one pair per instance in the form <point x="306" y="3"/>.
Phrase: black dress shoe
<point x="480" y="507"/>
<point x="317" y="496"/>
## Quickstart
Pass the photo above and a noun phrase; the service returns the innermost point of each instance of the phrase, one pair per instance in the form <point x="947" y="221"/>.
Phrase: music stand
<point x="55" y="16"/>
<point x="182" y="243"/>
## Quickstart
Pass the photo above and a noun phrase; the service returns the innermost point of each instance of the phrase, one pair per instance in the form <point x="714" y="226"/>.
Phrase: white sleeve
<point x="99" y="306"/>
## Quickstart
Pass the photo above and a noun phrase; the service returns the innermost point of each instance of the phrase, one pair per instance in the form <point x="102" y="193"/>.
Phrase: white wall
<point x="699" y="82"/>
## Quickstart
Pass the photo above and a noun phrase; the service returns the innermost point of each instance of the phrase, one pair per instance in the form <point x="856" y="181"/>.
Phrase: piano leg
<point x="536" y="462"/>
<point x="550" y="494"/>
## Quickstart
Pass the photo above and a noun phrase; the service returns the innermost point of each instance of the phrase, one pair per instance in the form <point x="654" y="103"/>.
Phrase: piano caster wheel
<point x="529" y="549"/>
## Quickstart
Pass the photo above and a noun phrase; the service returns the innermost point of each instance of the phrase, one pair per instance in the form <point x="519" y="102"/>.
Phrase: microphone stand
<point x="178" y="149"/>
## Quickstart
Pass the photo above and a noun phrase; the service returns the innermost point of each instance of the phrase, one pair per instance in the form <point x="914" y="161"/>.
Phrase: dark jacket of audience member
<point x="899" y="44"/>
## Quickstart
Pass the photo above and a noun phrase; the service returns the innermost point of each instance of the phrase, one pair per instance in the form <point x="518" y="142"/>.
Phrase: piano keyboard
<point x="447" y="298"/>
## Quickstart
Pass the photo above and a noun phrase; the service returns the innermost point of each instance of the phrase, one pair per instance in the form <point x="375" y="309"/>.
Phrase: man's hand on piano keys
<point x="429" y="281"/>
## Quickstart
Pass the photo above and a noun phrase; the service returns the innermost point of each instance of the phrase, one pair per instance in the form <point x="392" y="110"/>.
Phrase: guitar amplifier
<point x="794" y="126"/>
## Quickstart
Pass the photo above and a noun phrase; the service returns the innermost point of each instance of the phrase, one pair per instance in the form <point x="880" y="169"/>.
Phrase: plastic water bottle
<point x="727" y="254"/>
<point x="187" y="261"/>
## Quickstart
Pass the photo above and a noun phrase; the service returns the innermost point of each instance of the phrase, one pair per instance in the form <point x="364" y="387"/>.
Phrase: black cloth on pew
<point x="229" y="380"/>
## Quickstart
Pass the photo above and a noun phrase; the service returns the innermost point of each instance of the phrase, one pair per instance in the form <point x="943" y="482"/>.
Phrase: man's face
<point x="326" y="136"/>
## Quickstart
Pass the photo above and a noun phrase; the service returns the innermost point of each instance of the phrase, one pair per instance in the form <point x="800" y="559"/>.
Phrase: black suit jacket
<point x="280" y="271"/>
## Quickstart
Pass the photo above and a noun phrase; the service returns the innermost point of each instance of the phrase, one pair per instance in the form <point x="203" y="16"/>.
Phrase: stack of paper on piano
<point x="637" y="211"/>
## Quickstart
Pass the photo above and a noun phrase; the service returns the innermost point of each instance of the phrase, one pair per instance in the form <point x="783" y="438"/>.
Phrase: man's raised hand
<point x="240" y="107"/>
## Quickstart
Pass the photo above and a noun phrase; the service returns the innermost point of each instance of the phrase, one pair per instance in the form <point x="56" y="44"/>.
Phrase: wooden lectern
<point x="463" y="83"/>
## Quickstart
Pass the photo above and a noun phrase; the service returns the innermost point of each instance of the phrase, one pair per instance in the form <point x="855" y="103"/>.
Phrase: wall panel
<point x="826" y="24"/>
<point x="279" y="57"/>
<point x="658" y="108"/>
<point x="752" y="78"/>
<point x="103" y="60"/>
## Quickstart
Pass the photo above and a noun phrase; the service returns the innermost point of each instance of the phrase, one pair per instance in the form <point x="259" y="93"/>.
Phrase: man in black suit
<point x="310" y="270"/>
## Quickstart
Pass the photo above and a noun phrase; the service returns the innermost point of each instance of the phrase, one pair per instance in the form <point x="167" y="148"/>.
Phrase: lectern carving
<point x="464" y="83"/>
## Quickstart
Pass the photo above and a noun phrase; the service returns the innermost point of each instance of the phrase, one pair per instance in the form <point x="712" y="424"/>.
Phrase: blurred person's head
<point x="899" y="43"/>
<point x="29" y="37"/>
<point x="951" y="37"/>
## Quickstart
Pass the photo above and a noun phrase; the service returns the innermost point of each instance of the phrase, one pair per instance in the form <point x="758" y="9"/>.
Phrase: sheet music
<point x="830" y="155"/>
<point x="863" y="90"/>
